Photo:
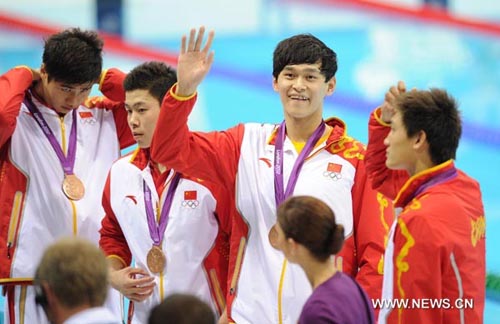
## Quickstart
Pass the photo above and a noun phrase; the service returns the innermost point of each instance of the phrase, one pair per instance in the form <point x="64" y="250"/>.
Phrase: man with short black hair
<point x="436" y="247"/>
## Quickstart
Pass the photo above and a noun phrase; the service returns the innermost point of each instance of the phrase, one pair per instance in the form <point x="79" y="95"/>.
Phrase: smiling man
<point x="54" y="156"/>
<point x="265" y="163"/>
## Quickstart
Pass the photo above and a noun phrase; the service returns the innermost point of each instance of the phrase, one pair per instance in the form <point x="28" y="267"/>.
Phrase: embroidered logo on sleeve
<point x="190" y="199"/>
<point x="333" y="171"/>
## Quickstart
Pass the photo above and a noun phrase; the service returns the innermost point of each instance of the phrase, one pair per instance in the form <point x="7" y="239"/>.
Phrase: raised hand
<point x="388" y="108"/>
<point x="194" y="61"/>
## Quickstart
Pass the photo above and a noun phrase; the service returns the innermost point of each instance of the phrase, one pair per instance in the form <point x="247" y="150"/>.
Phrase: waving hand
<point x="194" y="61"/>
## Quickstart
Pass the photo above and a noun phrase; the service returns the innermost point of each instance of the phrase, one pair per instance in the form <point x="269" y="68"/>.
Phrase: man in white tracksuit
<point x="265" y="163"/>
<point x="173" y="226"/>
<point x="54" y="157"/>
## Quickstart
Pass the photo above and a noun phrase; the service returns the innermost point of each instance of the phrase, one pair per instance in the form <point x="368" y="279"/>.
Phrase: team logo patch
<point x="132" y="197"/>
<point x="190" y="199"/>
<point x="333" y="171"/>
<point x="87" y="117"/>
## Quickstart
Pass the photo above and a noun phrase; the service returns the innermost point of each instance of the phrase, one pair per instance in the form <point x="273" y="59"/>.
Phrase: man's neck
<point x="318" y="272"/>
<point x="39" y="92"/>
<point x="65" y="313"/>
<point x="161" y="168"/>
<point x="300" y="130"/>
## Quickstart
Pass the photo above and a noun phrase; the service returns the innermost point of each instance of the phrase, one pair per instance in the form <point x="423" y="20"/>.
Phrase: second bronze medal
<point x="156" y="260"/>
<point x="73" y="187"/>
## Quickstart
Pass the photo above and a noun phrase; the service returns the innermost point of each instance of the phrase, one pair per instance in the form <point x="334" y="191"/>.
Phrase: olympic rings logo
<point x="332" y="175"/>
<point x="90" y="121"/>
<point x="190" y="203"/>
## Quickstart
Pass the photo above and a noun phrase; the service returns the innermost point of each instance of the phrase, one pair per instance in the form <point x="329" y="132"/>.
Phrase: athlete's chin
<point x="298" y="114"/>
<point x="143" y="144"/>
<point x="389" y="164"/>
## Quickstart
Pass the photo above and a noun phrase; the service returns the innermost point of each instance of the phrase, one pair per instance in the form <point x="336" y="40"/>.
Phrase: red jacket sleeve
<point x="382" y="179"/>
<point x="210" y="156"/>
<point x="13" y="84"/>
<point x="373" y="215"/>
<point x="112" y="240"/>
<point x="111" y="85"/>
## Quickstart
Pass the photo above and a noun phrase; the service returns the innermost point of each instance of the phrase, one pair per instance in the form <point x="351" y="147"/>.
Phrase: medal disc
<point x="73" y="187"/>
<point x="156" y="260"/>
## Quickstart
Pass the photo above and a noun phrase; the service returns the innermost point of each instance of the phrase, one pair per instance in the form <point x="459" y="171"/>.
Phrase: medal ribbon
<point x="157" y="230"/>
<point x="280" y="193"/>
<point x="445" y="176"/>
<point x="67" y="162"/>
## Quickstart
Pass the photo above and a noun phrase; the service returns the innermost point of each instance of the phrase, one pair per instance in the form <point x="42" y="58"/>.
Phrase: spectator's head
<point x="182" y="309"/>
<point x="310" y="223"/>
<point x="72" y="275"/>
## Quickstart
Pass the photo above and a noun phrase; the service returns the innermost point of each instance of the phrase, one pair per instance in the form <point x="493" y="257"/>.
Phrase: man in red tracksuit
<point x="435" y="257"/>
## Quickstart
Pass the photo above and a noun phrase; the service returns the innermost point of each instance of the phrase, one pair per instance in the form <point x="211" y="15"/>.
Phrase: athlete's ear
<point x="420" y="140"/>
<point x="331" y="86"/>
<point x="275" y="84"/>
<point x="43" y="73"/>
<point x="40" y="296"/>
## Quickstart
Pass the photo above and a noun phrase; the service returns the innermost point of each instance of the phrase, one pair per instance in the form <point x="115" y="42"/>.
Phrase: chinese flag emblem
<point x="334" y="167"/>
<point x="190" y="195"/>
<point x="85" y="114"/>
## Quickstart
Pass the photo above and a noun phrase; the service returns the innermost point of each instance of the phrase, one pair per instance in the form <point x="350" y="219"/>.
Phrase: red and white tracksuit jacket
<point x="436" y="249"/>
<point x="195" y="244"/>
<point x="34" y="211"/>
<point x="262" y="287"/>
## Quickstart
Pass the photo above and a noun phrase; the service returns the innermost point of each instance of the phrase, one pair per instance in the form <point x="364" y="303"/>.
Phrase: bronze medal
<point x="156" y="260"/>
<point x="73" y="187"/>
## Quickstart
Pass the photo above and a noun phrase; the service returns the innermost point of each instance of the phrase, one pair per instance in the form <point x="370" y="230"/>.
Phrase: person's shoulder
<point x="316" y="303"/>
<point x="422" y="222"/>
<point x="341" y="283"/>
<point x="315" y="310"/>
<point x="125" y="161"/>
<point x="201" y="184"/>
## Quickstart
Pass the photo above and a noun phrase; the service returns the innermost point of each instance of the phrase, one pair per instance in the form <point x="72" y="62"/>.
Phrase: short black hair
<point x="304" y="49"/>
<point x="154" y="76"/>
<point x="436" y="113"/>
<point x="182" y="309"/>
<point x="73" y="56"/>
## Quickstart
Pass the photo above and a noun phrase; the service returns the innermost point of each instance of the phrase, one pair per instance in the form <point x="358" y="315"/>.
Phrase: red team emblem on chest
<point x="87" y="117"/>
<point x="190" y="199"/>
<point x="333" y="171"/>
